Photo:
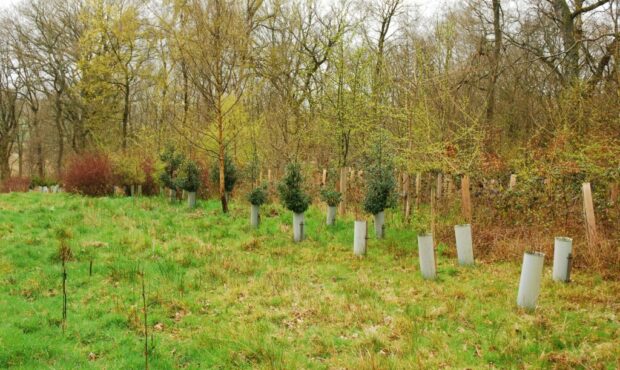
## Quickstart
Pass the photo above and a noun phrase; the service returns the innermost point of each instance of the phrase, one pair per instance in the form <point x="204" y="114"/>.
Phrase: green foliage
<point x="291" y="189"/>
<point x="380" y="182"/>
<point x="42" y="181"/>
<point x="230" y="173"/>
<point x="331" y="197"/>
<point x="189" y="176"/>
<point x="172" y="162"/>
<point x="128" y="170"/>
<point x="258" y="195"/>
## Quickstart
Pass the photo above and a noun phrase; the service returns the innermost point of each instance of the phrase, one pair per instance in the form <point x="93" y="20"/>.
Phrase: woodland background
<point x="484" y="88"/>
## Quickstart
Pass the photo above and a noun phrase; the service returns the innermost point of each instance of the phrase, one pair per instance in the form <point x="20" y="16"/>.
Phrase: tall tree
<point x="10" y="104"/>
<point x="217" y="47"/>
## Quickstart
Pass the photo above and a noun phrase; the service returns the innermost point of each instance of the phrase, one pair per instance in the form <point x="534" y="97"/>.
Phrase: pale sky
<point x="6" y="3"/>
<point x="427" y="7"/>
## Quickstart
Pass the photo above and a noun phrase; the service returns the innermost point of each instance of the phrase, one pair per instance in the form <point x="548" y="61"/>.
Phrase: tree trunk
<point x="497" y="47"/>
<point x="220" y="132"/>
<point x="125" y="113"/>
<point x="20" y="154"/>
<point x="569" y="42"/>
<point x="61" y="139"/>
<point x="5" y="153"/>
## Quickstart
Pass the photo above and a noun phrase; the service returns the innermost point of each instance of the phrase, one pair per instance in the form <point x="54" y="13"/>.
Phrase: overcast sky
<point x="426" y="7"/>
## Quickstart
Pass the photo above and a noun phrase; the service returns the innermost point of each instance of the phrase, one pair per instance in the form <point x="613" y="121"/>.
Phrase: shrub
<point x="89" y="174"/>
<point x="258" y="195"/>
<point x="189" y="176"/>
<point x="291" y="191"/>
<point x="172" y="162"/>
<point x="15" y="184"/>
<point x="42" y="181"/>
<point x="128" y="170"/>
<point x="230" y="174"/>
<point x="331" y="197"/>
<point x="380" y="183"/>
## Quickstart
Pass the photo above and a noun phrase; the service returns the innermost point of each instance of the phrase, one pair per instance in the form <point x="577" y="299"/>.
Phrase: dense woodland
<point x="484" y="88"/>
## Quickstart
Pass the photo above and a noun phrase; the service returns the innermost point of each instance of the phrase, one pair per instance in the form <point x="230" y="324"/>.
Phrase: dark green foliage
<point x="291" y="192"/>
<point x="230" y="173"/>
<point x="172" y="162"/>
<point x="258" y="195"/>
<point x="189" y="176"/>
<point x="331" y="197"/>
<point x="380" y="183"/>
<point x="42" y="181"/>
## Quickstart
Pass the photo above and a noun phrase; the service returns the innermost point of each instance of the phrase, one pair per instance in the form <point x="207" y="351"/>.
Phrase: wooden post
<point x="449" y="186"/>
<point x="324" y="178"/>
<point x="439" y="185"/>
<point x="269" y="178"/>
<point x="615" y="190"/>
<point x="343" y="190"/>
<point x="513" y="181"/>
<point x="406" y="197"/>
<point x="588" y="210"/>
<point x="418" y="185"/>
<point x="433" y="202"/>
<point x="465" y="198"/>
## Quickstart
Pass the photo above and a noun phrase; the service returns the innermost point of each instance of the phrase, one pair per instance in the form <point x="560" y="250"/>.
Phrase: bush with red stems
<point x="150" y="186"/>
<point x="89" y="174"/>
<point x="15" y="184"/>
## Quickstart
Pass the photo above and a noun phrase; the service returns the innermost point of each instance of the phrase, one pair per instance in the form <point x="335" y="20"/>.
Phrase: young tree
<point x="216" y="47"/>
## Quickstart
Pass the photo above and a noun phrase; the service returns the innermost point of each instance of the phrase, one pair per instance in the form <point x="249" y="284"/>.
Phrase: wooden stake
<point x="615" y="190"/>
<point x="439" y="185"/>
<point x="418" y="185"/>
<point x="465" y="199"/>
<point x="433" y="201"/>
<point x="343" y="190"/>
<point x="513" y="181"/>
<point x="406" y="197"/>
<point x="588" y="209"/>
<point x="449" y="186"/>
<point x="324" y="178"/>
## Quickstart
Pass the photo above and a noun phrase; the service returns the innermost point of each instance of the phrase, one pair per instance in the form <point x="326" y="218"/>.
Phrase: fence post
<point x="343" y="190"/>
<point x="588" y="209"/>
<point x="418" y="185"/>
<point x="465" y="198"/>
<point x="513" y="181"/>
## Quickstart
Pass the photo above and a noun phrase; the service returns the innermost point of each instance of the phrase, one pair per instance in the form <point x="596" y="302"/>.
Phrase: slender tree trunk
<point x="220" y="133"/>
<point x="125" y="113"/>
<point x="20" y="154"/>
<point x="497" y="47"/>
<point x="61" y="139"/>
<point x="40" y="160"/>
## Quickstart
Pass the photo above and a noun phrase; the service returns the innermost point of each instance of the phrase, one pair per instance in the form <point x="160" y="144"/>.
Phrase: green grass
<point x="221" y="295"/>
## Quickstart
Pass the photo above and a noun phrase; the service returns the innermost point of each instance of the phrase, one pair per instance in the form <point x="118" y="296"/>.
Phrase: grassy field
<point x="221" y="295"/>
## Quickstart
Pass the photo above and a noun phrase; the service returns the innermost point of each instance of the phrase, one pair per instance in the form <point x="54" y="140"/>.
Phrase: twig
<point x="146" y="329"/>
